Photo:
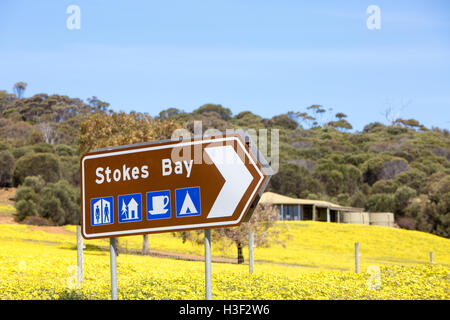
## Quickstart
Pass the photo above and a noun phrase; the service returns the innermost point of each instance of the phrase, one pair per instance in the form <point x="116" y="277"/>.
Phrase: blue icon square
<point x="130" y="207"/>
<point x="158" y="205"/>
<point x="102" y="211"/>
<point x="188" y="202"/>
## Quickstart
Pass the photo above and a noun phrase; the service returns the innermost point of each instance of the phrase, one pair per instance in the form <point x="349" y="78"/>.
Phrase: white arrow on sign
<point x="237" y="180"/>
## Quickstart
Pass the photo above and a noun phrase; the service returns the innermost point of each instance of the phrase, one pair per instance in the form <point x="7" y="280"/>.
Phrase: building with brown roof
<point x="319" y="210"/>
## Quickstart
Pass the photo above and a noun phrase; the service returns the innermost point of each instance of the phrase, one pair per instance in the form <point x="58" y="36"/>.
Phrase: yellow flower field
<point x="35" y="264"/>
<point x="7" y="208"/>
<point x="318" y="245"/>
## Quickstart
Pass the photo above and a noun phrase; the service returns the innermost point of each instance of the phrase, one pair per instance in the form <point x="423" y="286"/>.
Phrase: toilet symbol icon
<point x="102" y="211"/>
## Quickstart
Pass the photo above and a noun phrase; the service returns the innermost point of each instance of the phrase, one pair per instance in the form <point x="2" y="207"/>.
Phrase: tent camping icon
<point x="188" y="202"/>
<point x="188" y="206"/>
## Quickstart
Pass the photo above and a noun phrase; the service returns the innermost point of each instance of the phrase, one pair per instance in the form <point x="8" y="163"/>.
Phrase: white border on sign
<point x="167" y="228"/>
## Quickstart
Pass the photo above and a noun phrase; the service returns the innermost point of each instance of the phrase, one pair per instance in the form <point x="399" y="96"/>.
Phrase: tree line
<point x="400" y="166"/>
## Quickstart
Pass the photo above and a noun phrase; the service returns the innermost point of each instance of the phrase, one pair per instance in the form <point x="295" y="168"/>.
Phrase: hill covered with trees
<point x="399" y="166"/>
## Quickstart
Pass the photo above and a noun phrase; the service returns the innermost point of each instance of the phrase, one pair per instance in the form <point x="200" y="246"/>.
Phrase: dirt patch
<point x="40" y="241"/>
<point x="175" y="255"/>
<point x="7" y="219"/>
<point x="191" y="257"/>
<point x="6" y="195"/>
<point x="57" y="230"/>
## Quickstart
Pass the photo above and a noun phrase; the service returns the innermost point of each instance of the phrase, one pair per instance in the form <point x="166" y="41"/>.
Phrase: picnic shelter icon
<point x="158" y="205"/>
<point x="130" y="207"/>
<point x="102" y="211"/>
<point x="188" y="202"/>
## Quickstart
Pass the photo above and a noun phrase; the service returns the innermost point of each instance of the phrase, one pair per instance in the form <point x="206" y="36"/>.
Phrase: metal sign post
<point x="113" y="265"/>
<point x="208" y="282"/>
<point x="80" y="262"/>
<point x="251" y="246"/>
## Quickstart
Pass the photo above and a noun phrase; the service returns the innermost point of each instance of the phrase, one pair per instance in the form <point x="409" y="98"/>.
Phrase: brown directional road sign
<point x="177" y="185"/>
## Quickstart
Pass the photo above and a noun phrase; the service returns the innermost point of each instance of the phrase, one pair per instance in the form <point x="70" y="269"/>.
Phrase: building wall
<point x="382" y="219"/>
<point x="355" y="217"/>
<point x="305" y="212"/>
<point x="290" y="212"/>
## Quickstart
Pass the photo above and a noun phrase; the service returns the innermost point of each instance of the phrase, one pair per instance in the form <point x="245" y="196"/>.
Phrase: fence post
<point x="80" y="261"/>
<point x="431" y="257"/>
<point x="208" y="290"/>
<point x="357" y="257"/>
<point x="251" y="257"/>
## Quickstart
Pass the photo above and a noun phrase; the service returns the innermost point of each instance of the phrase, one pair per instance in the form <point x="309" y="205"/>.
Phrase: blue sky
<point x="269" y="57"/>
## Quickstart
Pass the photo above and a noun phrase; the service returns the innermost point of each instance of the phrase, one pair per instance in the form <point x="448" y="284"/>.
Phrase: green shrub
<point x="352" y="177"/>
<point x="395" y="130"/>
<point x="374" y="127"/>
<point x="42" y="148"/>
<point x="428" y="166"/>
<point x="333" y="181"/>
<point x="26" y="201"/>
<point x="294" y="180"/>
<point x="26" y="208"/>
<point x="34" y="182"/>
<point x="402" y="197"/>
<point x="56" y="202"/>
<point x="435" y="217"/>
<point x="343" y="199"/>
<point x="357" y="159"/>
<point x="45" y="165"/>
<point x="358" y="200"/>
<point x="384" y="186"/>
<point x="380" y="202"/>
<point x="413" y="178"/>
<point x="224" y="113"/>
<point x="21" y="151"/>
<point x="70" y="169"/>
<point x="283" y="122"/>
<point x="64" y="150"/>
<point x="4" y="146"/>
<point x="60" y="203"/>
<point x="6" y="168"/>
<point x="382" y="167"/>
<point x="35" y="137"/>
<point x="371" y="169"/>
<point x="27" y="193"/>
